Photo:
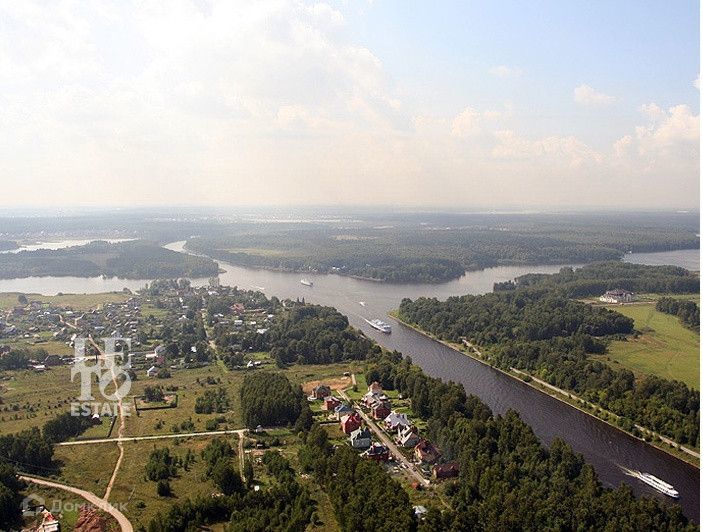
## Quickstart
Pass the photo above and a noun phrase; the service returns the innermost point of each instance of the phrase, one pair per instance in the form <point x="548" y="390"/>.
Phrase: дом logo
<point x="106" y="370"/>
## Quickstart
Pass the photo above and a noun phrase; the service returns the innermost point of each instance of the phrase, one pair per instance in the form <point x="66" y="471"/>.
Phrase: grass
<point x="150" y="422"/>
<point x="665" y="348"/>
<point x="30" y="399"/>
<point x="88" y="467"/>
<point x="139" y="494"/>
<point x="75" y="301"/>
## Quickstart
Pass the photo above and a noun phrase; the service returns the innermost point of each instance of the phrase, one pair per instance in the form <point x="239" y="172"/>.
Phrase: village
<point x="383" y="434"/>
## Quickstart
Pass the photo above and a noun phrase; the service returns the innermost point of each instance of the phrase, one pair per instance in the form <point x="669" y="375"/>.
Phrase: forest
<point x="313" y="334"/>
<point x="687" y="311"/>
<point x="549" y="336"/>
<point x="596" y="279"/>
<point x="137" y="259"/>
<point x="426" y="248"/>
<point x="269" y="399"/>
<point x="508" y="480"/>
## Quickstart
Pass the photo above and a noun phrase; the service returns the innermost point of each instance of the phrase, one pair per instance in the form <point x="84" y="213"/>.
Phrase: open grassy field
<point x="30" y="399"/>
<point x="88" y="467"/>
<point x="75" y="301"/>
<point x="191" y="383"/>
<point x="665" y="348"/>
<point x="139" y="494"/>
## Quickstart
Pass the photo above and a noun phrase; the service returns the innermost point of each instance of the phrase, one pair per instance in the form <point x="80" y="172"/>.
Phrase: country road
<point x="93" y="499"/>
<point x="120" y="430"/>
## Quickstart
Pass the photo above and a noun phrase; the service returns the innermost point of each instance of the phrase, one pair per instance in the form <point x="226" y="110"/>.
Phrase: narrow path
<point x="120" y="430"/>
<point x="155" y="437"/>
<point x="93" y="499"/>
<point x="241" y="453"/>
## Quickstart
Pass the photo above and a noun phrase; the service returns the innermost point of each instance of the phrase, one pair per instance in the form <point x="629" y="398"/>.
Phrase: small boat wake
<point x="653" y="481"/>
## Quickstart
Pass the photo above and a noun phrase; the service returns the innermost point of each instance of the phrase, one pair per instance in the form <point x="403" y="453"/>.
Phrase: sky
<point x="486" y="105"/>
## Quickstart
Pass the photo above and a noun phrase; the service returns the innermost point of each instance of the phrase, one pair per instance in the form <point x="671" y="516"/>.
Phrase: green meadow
<point x="665" y="347"/>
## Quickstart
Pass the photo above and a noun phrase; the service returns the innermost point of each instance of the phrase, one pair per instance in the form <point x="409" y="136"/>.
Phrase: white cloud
<point x="566" y="151"/>
<point x="471" y="122"/>
<point x="504" y="71"/>
<point x="586" y="95"/>
<point x="667" y="145"/>
<point x="271" y="101"/>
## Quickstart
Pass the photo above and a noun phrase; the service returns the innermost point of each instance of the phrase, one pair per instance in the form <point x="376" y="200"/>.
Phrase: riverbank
<point x="678" y="451"/>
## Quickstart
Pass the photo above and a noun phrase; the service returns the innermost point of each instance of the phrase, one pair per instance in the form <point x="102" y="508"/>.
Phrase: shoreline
<point x="684" y="454"/>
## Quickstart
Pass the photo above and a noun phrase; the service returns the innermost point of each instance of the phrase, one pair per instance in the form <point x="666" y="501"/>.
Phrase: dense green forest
<point x="411" y="250"/>
<point x="687" y="311"/>
<point x="269" y="399"/>
<point x="10" y="497"/>
<point x="136" y="259"/>
<point x="539" y="331"/>
<point x="313" y="334"/>
<point x="595" y="279"/>
<point x="508" y="480"/>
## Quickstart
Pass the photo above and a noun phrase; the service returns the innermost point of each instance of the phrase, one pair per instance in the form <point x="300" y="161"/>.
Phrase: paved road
<point x="387" y="441"/>
<point x="96" y="501"/>
<point x="240" y="432"/>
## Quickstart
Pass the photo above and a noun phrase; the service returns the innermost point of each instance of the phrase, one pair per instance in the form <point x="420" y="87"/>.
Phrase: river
<point x="606" y="448"/>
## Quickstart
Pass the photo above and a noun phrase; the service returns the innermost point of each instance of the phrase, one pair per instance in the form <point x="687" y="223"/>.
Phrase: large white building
<point x="618" y="296"/>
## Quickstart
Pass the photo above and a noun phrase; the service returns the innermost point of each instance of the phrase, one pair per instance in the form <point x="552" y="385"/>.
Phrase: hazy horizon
<point x="502" y="106"/>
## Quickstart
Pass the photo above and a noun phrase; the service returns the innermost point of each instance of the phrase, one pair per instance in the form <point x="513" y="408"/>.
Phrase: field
<point x="75" y="301"/>
<point x="665" y="348"/>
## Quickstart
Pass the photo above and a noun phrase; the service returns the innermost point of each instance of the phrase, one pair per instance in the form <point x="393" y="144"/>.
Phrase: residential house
<point x="426" y="452"/>
<point x="380" y="410"/>
<point x="330" y="403"/>
<point x="395" y="421"/>
<point x="361" y="438"/>
<point x="152" y="371"/>
<point x="407" y="437"/>
<point x="321" y="391"/>
<point x="350" y="422"/>
<point x="377" y="452"/>
<point x="447" y="470"/>
<point x="375" y="388"/>
<point x="342" y="410"/>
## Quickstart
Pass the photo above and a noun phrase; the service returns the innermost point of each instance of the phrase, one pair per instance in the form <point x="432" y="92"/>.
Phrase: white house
<point x="618" y="296"/>
<point x="396" y="421"/>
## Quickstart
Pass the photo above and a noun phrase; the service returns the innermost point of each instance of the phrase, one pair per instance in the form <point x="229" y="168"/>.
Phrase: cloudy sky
<point x="461" y="104"/>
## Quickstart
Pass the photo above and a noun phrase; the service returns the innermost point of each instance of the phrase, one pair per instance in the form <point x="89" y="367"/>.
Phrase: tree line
<point x="508" y="480"/>
<point x="687" y="311"/>
<point x="539" y="331"/>
<point x="136" y="259"/>
<point x="313" y="334"/>
<point x="406" y="249"/>
<point x="269" y="399"/>
<point x="596" y="279"/>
